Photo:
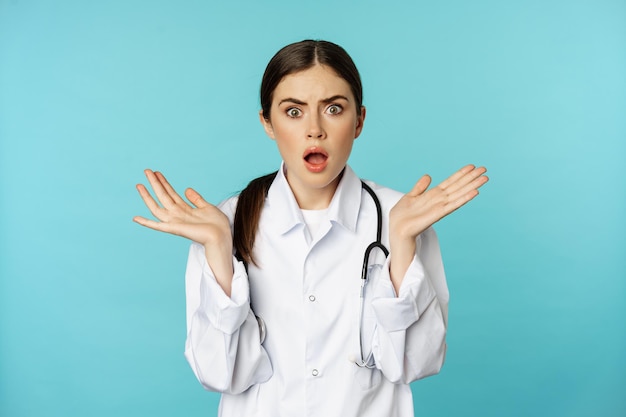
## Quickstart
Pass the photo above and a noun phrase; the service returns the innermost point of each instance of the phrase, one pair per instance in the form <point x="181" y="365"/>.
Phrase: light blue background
<point x="91" y="93"/>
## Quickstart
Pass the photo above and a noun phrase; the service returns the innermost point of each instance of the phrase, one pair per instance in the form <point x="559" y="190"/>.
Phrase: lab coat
<point x="307" y="293"/>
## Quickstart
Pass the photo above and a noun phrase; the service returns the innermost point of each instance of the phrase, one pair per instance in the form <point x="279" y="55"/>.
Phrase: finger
<point x="456" y="176"/>
<point x="160" y="226"/>
<point x="178" y="229"/>
<point x="460" y="202"/>
<point x="195" y="198"/>
<point x="420" y="186"/>
<point x="159" y="190"/>
<point x="152" y="205"/>
<point x="169" y="189"/>
<point x="463" y="189"/>
<point x="469" y="178"/>
<point x="146" y="222"/>
<point x="465" y="195"/>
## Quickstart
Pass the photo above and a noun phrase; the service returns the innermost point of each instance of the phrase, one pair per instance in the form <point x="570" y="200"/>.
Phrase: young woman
<point x="286" y="315"/>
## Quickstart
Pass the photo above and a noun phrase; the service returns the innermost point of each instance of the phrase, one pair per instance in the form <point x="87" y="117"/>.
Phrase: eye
<point x="294" y="112"/>
<point x="334" y="109"/>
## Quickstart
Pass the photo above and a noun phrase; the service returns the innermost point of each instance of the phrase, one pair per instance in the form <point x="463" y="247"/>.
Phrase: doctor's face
<point x="314" y="121"/>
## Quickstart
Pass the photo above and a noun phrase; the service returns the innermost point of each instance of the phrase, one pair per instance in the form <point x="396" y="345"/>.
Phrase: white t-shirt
<point x="313" y="219"/>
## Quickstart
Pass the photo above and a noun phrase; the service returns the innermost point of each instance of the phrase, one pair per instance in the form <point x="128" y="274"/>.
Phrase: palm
<point x="421" y="208"/>
<point x="202" y="222"/>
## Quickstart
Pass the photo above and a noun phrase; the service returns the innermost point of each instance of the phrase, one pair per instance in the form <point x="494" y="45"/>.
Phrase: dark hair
<point x="291" y="59"/>
<point x="303" y="55"/>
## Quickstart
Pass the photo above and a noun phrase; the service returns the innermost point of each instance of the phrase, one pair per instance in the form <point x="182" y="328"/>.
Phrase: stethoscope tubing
<point x="377" y="244"/>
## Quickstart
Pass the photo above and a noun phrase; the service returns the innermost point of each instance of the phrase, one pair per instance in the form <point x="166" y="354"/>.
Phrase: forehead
<point x="318" y="81"/>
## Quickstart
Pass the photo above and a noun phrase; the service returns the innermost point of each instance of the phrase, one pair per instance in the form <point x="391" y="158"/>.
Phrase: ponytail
<point x="247" y="216"/>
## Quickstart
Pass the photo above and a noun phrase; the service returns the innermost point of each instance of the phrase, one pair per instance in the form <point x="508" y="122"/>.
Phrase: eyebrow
<point x="302" y="103"/>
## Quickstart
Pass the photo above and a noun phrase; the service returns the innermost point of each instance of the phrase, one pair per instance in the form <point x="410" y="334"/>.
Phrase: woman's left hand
<point x="420" y="208"/>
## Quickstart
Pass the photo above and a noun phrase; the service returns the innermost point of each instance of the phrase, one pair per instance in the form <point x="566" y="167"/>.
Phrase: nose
<point x="315" y="130"/>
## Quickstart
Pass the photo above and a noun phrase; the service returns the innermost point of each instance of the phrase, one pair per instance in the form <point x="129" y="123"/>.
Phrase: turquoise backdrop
<point x="92" y="92"/>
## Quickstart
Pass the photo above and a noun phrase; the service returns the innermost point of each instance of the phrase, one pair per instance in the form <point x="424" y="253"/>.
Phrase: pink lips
<point x="315" y="159"/>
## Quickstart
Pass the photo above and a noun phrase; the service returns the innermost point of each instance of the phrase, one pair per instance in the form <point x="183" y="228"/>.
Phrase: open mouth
<point x="315" y="159"/>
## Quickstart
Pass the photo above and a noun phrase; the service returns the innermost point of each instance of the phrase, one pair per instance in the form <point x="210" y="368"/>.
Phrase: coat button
<point x="315" y="372"/>
<point x="311" y="298"/>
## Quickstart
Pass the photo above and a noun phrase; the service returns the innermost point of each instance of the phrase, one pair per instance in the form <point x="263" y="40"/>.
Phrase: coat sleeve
<point x="223" y="343"/>
<point x="409" y="340"/>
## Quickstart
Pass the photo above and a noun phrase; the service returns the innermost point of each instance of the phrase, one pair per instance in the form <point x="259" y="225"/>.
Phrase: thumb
<point x="420" y="186"/>
<point x="195" y="198"/>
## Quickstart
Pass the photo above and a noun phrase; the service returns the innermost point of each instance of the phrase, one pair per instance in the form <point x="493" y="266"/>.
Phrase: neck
<point x="315" y="198"/>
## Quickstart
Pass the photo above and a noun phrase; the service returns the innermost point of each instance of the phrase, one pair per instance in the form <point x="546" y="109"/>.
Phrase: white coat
<point x="307" y="293"/>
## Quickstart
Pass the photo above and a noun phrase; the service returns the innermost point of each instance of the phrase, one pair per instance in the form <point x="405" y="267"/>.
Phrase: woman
<point x="278" y="318"/>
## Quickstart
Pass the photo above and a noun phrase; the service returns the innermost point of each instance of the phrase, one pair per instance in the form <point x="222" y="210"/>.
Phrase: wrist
<point x="220" y="259"/>
<point x="402" y="252"/>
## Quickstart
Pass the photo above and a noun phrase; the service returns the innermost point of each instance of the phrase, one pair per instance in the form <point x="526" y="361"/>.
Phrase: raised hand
<point x="203" y="223"/>
<point x="420" y="208"/>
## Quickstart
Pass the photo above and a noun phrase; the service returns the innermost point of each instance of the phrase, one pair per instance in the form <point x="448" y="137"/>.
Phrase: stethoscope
<point x="369" y="361"/>
<point x="377" y="244"/>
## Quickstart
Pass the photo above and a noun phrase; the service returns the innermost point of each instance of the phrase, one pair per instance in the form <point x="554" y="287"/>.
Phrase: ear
<point x="267" y="125"/>
<point x="359" y="123"/>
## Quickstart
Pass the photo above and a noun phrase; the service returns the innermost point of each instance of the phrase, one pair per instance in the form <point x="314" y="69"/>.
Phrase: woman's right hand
<point x="203" y="223"/>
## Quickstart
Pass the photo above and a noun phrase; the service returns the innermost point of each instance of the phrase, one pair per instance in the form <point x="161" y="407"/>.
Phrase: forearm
<point x="223" y="340"/>
<point x="413" y="353"/>
<point x="227" y="362"/>
<point x="219" y="258"/>
<point x="411" y="327"/>
<point x="402" y="252"/>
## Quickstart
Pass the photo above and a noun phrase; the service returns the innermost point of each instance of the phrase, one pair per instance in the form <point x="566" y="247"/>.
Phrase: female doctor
<point x="313" y="292"/>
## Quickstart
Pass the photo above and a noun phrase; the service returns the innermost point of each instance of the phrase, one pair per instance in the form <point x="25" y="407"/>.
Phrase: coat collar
<point x="343" y="209"/>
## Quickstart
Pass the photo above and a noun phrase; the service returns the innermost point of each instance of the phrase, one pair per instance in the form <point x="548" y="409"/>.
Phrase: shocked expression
<point x="314" y="121"/>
